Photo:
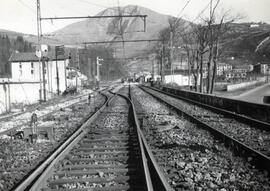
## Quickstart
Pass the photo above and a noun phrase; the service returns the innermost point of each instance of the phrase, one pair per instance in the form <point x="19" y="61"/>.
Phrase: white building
<point x="26" y="68"/>
<point x="75" y="78"/>
<point x="179" y="79"/>
<point x="222" y="68"/>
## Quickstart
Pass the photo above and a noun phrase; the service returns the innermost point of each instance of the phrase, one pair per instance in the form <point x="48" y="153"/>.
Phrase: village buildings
<point x="30" y="82"/>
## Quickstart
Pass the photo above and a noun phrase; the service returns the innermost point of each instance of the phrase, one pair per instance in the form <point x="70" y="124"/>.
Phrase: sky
<point x="20" y="15"/>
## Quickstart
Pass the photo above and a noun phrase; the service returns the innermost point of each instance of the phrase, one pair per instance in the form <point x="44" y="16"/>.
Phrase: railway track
<point x="190" y="156"/>
<point x="105" y="153"/>
<point x="19" y="158"/>
<point x="246" y="140"/>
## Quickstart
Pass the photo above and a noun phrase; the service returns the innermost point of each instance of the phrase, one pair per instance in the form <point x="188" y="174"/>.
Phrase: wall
<point x="232" y="87"/>
<point x="26" y="93"/>
<point x="50" y="76"/>
<point x="256" y="111"/>
<point x="180" y="80"/>
<point x="26" y="71"/>
<point x="51" y="85"/>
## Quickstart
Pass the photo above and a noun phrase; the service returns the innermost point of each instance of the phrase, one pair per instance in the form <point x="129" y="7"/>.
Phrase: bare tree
<point x="201" y="36"/>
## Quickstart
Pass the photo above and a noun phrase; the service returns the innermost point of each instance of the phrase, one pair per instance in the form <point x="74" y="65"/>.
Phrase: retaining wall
<point x="256" y="111"/>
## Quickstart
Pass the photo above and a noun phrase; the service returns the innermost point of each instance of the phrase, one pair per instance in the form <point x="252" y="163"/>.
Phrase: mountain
<point x="248" y="43"/>
<point x="107" y="29"/>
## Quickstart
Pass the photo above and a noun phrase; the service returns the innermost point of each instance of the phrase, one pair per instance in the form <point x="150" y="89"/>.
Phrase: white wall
<point x="50" y="76"/>
<point x="180" y="80"/>
<point x="19" y="93"/>
<point x="26" y="71"/>
<point x="232" y="87"/>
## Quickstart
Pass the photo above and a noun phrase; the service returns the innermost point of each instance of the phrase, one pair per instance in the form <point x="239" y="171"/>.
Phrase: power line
<point x="27" y="6"/>
<point x="182" y="10"/>
<point x="200" y="13"/>
<point x="95" y="4"/>
<point x="122" y="41"/>
<point x="91" y="17"/>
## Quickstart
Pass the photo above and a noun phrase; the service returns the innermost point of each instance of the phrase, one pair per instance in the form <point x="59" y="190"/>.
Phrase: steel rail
<point x="258" y="159"/>
<point x="142" y="152"/>
<point x="160" y="182"/>
<point x="35" y="179"/>
<point x="244" y="119"/>
<point x="156" y="173"/>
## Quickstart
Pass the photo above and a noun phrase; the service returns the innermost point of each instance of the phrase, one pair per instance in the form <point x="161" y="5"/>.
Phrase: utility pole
<point x="57" y="73"/>
<point x="39" y="32"/>
<point x="171" y="50"/>
<point x="43" y="79"/>
<point x="9" y="103"/>
<point x="59" y="50"/>
<point x="153" y="68"/>
<point x="162" y="62"/>
<point x="98" y="70"/>
<point x="90" y="69"/>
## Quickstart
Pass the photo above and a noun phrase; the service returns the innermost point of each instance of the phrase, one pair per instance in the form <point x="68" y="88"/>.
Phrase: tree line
<point x="201" y="43"/>
<point x="9" y="45"/>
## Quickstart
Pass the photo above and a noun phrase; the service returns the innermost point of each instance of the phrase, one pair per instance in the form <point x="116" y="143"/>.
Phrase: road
<point x="255" y="95"/>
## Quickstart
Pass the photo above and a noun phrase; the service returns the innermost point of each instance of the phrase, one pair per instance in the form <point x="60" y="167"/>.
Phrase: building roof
<point x="31" y="57"/>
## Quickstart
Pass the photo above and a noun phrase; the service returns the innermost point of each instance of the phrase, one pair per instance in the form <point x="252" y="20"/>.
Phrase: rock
<point x="198" y="177"/>
<point x="188" y="166"/>
<point x="180" y="164"/>
<point x="189" y="174"/>
<point x="192" y="157"/>
<point x="207" y="176"/>
<point x="101" y="174"/>
<point x="212" y="185"/>
<point x="232" y="177"/>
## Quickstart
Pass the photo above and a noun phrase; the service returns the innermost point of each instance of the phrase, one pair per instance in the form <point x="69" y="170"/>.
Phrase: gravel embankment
<point x="247" y="134"/>
<point x="189" y="156"/>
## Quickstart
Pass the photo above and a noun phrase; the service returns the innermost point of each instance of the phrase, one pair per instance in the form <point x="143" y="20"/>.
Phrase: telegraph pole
<point x="162" y="62"/>
<point x="171" y="50"/>
<point x="44" y="80"/>
<point x="39" y="31"/>
<point x="98" y="70"/>
<point x="57" y="73"/>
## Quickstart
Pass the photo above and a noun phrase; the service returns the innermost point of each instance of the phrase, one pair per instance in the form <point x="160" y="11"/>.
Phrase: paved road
<point x="255" y="95"/>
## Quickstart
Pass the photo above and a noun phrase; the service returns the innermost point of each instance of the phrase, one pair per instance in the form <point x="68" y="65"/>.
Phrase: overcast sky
<point x="20" y="15"/>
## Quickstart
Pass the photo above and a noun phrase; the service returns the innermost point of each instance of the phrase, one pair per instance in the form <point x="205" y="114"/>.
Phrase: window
<point x="32" y="68"/>
<point x="20" y="68"/>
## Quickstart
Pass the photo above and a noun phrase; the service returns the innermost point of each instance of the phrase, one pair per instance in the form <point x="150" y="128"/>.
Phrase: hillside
<point x="108" y="29"/>
<point x="243" y="42"/>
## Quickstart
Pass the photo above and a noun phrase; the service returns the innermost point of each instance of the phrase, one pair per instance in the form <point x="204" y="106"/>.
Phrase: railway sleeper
<point x="114" y="188"/>
<point x="118" y="179"/>
<point x="96" y="167"/>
